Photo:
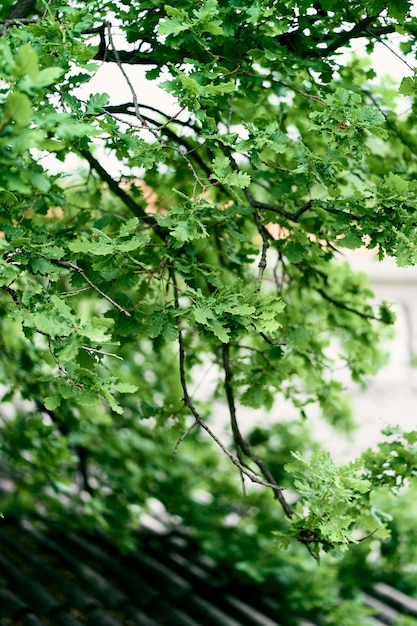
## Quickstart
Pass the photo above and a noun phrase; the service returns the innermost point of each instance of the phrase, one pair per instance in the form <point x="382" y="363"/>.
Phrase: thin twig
<point x="129" y="83"/>
<point x="384" y="43"/>
<point x="74" y="292"/>
<point x="167" y="131"/>
<point x="277" y="167"/>
<point x="57" y="363"/>
<point x="48" y="6"/>
<point x="232" y="98"/>
<point x="404" y="140"/>
<point x="270" y="342"/>
<point x="265" y="245"/>
<point x="181" y="439"/>
<point x="345" y="307"/>
<point x="19" y="20"/>
<point x="95" y="351"/>
<point x="81" y="272"/>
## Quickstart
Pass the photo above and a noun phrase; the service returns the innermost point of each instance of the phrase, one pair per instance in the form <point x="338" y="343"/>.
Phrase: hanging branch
<point x="168" y="132"/>
<point x="305" y="537"/>
<point x="198" y="420"/>
<point x="127" y="106"/>
<point x="241" y="442"/>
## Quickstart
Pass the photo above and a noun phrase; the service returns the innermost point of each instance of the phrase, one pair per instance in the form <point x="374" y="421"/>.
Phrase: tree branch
<point x="343" y="38"/>
<point x="127" y="79"/>
<point x="406" y="142"/>
<point x="241" y="442"/>
<point x="81" y="451"/>
<point x="125" y="56"/>
<point x="275" y="209"/>
<point x="113" y="185"/>
<point x="81" y="272"/>
<point x="21" y="9"/>
<point x="199" y="420"/>
<point x="304" y="45"/>
<point x="265" y="245"/>
<point x="345" y="307"/>
<point x="124" y="108"/>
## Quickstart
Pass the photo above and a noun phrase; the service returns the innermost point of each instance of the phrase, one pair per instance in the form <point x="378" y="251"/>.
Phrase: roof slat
<point x="385" y="613"/>
<point x="211" y="614"/>
<point x="253" y="616"/>
<point x="31" y="593"/>
<point x="397" y="598"/>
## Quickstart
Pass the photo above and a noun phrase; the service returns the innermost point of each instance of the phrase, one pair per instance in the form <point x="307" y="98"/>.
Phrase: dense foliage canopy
<point x="207" y="242"/>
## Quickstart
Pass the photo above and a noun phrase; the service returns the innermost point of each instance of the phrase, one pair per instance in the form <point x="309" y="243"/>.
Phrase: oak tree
<point x="146" y="250"/>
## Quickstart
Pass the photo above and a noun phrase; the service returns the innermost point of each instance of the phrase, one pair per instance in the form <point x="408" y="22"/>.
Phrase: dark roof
<point x="67" y="579"/>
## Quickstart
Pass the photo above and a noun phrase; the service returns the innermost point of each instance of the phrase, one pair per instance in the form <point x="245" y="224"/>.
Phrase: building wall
<point x="391" y="397"/>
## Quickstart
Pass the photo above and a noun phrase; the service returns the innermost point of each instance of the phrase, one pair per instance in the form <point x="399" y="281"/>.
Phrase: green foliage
<point x="341" y="492"/>
<point x="218" y="250"/>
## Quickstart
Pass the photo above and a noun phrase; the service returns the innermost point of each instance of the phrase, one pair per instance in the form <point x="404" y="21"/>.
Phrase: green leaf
<point x="48" y="76"/>
<point x="101" y="247"/>
<point x="41" y="266"/>
<point x="129" y="227"/>
<point x="72" y="129"/>
<point x="202" y="314"/>
<point x="27" y="62"/>
<point x="220" y="165"/>
<point x="396" y="184"/>
<point x="125" y="388"/>
<point x="220" y="89"/>
<point x="52" y="402"/>
<point x="408" y="86"/>
<point x="98" y="330"/>
<point x="295" y="252"/>
<point x="352" y="241"/>
<point x="399" y="10"/>
<point x="89" y="398"/>
<point x="222" y="333"/>
<point x="189" y="230"/>
<point x="239" y="309"/>
<point x="190" y="84"/>
<point x="96" y="102"/>
<point x="237" y="179"/>
<point x="133" y="244"/>
<point x="177" y="23"/>
<point x="70" y="350"/>
<point x="213" y="28"/>
<point x="54" y="320"/>
<point x="19" y="107"/>
<point x="39" y="180"/>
